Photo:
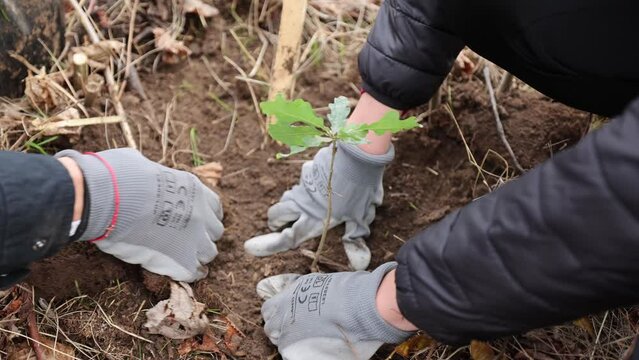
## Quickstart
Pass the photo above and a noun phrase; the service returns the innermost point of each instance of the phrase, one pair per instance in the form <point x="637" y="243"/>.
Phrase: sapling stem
<point x="329" y="209"/>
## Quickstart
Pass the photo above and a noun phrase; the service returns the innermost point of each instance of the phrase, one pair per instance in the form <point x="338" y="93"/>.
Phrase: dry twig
<point x="500" y="126"/>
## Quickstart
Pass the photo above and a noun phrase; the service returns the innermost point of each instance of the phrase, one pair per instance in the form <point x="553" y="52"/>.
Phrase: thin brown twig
<point x="500" y="126"/>
<point x="329" y="211"/>
<point x="32" y="326"/>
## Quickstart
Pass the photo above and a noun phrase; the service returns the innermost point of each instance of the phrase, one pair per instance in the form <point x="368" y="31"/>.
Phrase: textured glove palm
<point x="326" y="316"/>
<point x="168" y="220"/>
<point x="357" y="191"/>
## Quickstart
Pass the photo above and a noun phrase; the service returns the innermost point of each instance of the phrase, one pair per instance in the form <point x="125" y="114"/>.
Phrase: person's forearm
<point x="386" y="302"/>
<point x="78" y="185"/>
<point x="558" y="243"/>
<point x="369" y="110"/>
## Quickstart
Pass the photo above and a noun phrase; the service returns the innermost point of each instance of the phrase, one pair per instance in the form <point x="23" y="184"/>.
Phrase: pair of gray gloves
<point x="168" y="222"/>
<point x="327" y="316"/>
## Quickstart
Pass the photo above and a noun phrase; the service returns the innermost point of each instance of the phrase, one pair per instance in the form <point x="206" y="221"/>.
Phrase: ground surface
<point x="430" y="176"/>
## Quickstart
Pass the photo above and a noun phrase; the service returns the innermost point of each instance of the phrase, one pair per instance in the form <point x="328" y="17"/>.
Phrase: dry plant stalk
<point x="108" y="74"/>
<point x="93" y="89"/>
<point x="290" y="38"/>
<point x="80" y="70"/>
<point x="505" y="84"/>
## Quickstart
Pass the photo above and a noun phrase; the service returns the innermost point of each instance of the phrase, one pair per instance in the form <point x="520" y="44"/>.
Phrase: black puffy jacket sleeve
<point x="556" y="244"/>
<point x="549" y="44"/>
<point x="36" y="211"/>
<point x="409" y="51"/>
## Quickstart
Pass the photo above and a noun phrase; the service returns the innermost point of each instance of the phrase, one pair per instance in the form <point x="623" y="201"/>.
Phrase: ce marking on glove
<point x="310" y="295"/>
<point x="175" y="201"/>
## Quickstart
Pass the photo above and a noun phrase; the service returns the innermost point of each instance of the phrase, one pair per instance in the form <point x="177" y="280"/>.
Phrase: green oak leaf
<point x="340" y="109"/>
<point x="353" y="134"/>
<point x="309" y="143"/>
<point x="391" y="123"/>
<point x="295" y="121"/>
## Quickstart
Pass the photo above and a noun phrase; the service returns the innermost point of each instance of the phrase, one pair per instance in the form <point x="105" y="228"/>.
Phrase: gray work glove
<point x="327" y="316"/>
<point x="357" y="191"/>
<point x="168" y="220"/>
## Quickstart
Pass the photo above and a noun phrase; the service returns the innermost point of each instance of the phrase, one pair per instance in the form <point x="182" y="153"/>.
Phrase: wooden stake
<point x="290" y="38"/>
<point x="108" y="74"/>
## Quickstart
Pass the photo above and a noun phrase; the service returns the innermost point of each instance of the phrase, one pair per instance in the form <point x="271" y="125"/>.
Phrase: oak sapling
<point x="297" y="126"/>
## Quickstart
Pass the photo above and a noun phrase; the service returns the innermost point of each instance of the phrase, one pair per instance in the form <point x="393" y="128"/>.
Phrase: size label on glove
<point x="175" y="197"/>
<point x="310" y="294"/>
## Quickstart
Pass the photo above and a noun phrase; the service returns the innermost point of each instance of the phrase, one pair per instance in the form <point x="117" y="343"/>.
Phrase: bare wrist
<point x="386" y="302"/>
<point x="369" y="110"/>
<point x="78" y="185"/>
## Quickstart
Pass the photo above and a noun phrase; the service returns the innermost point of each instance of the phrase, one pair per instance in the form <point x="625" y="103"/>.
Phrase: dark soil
<point x="430" y="176"/>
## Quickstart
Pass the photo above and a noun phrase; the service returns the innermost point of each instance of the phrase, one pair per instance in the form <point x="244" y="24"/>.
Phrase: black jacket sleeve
<point x="549" y="44"/>
<point x="409" y="51"/>
<point x="36" y="211"/>
<point x="560" y="242"/>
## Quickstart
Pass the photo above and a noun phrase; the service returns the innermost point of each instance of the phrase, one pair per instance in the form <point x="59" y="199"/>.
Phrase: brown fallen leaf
<point x="585" y="324"/>
<point x="480" y="350"/>
<point x="206" y="343"/>
<point x="179" y="317"/>
<point x="200" y="8"/>
<point x="233" y="336"/>
<point x="41" y="92"/>
<point x="210" y="173"/>
<point x="50" y="349"/>
<point x="465" y="63"/>
<point x="102" y="51"/>
<point x="173" y="50"/>
<point x="414" y="345"/>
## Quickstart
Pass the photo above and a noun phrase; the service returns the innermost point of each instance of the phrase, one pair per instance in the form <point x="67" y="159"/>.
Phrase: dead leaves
<point x="50" y="350"/>
<point x="585" y="324"/>
<point x="173" y="50"/>
<point x="480" y="350"/>
<point x="204" y="343"/>
<point x="200" y="8"/>
<point x="166" y="40"/>
<point x="179" y="317"/>
<point x="465" y="63"/>
<point x="232" y="337"/>
<point x="414" y="345"/>
<point x="43" y="91"/>
<point x="182" y="317"/>
<point x="101" y="52"/>
<point x="210" y="173"/>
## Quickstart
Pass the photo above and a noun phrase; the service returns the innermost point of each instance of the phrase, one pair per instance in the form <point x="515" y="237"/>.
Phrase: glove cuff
<point x="360" y="166"/>
<point x="368" y="317"/>
<point x="99" y="186"/>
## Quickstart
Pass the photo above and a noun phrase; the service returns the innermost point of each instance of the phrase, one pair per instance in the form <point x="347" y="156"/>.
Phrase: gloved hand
<point x="326" y="316"/>
<point x="357" y="190"/>
<point x="167" y="220"/>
